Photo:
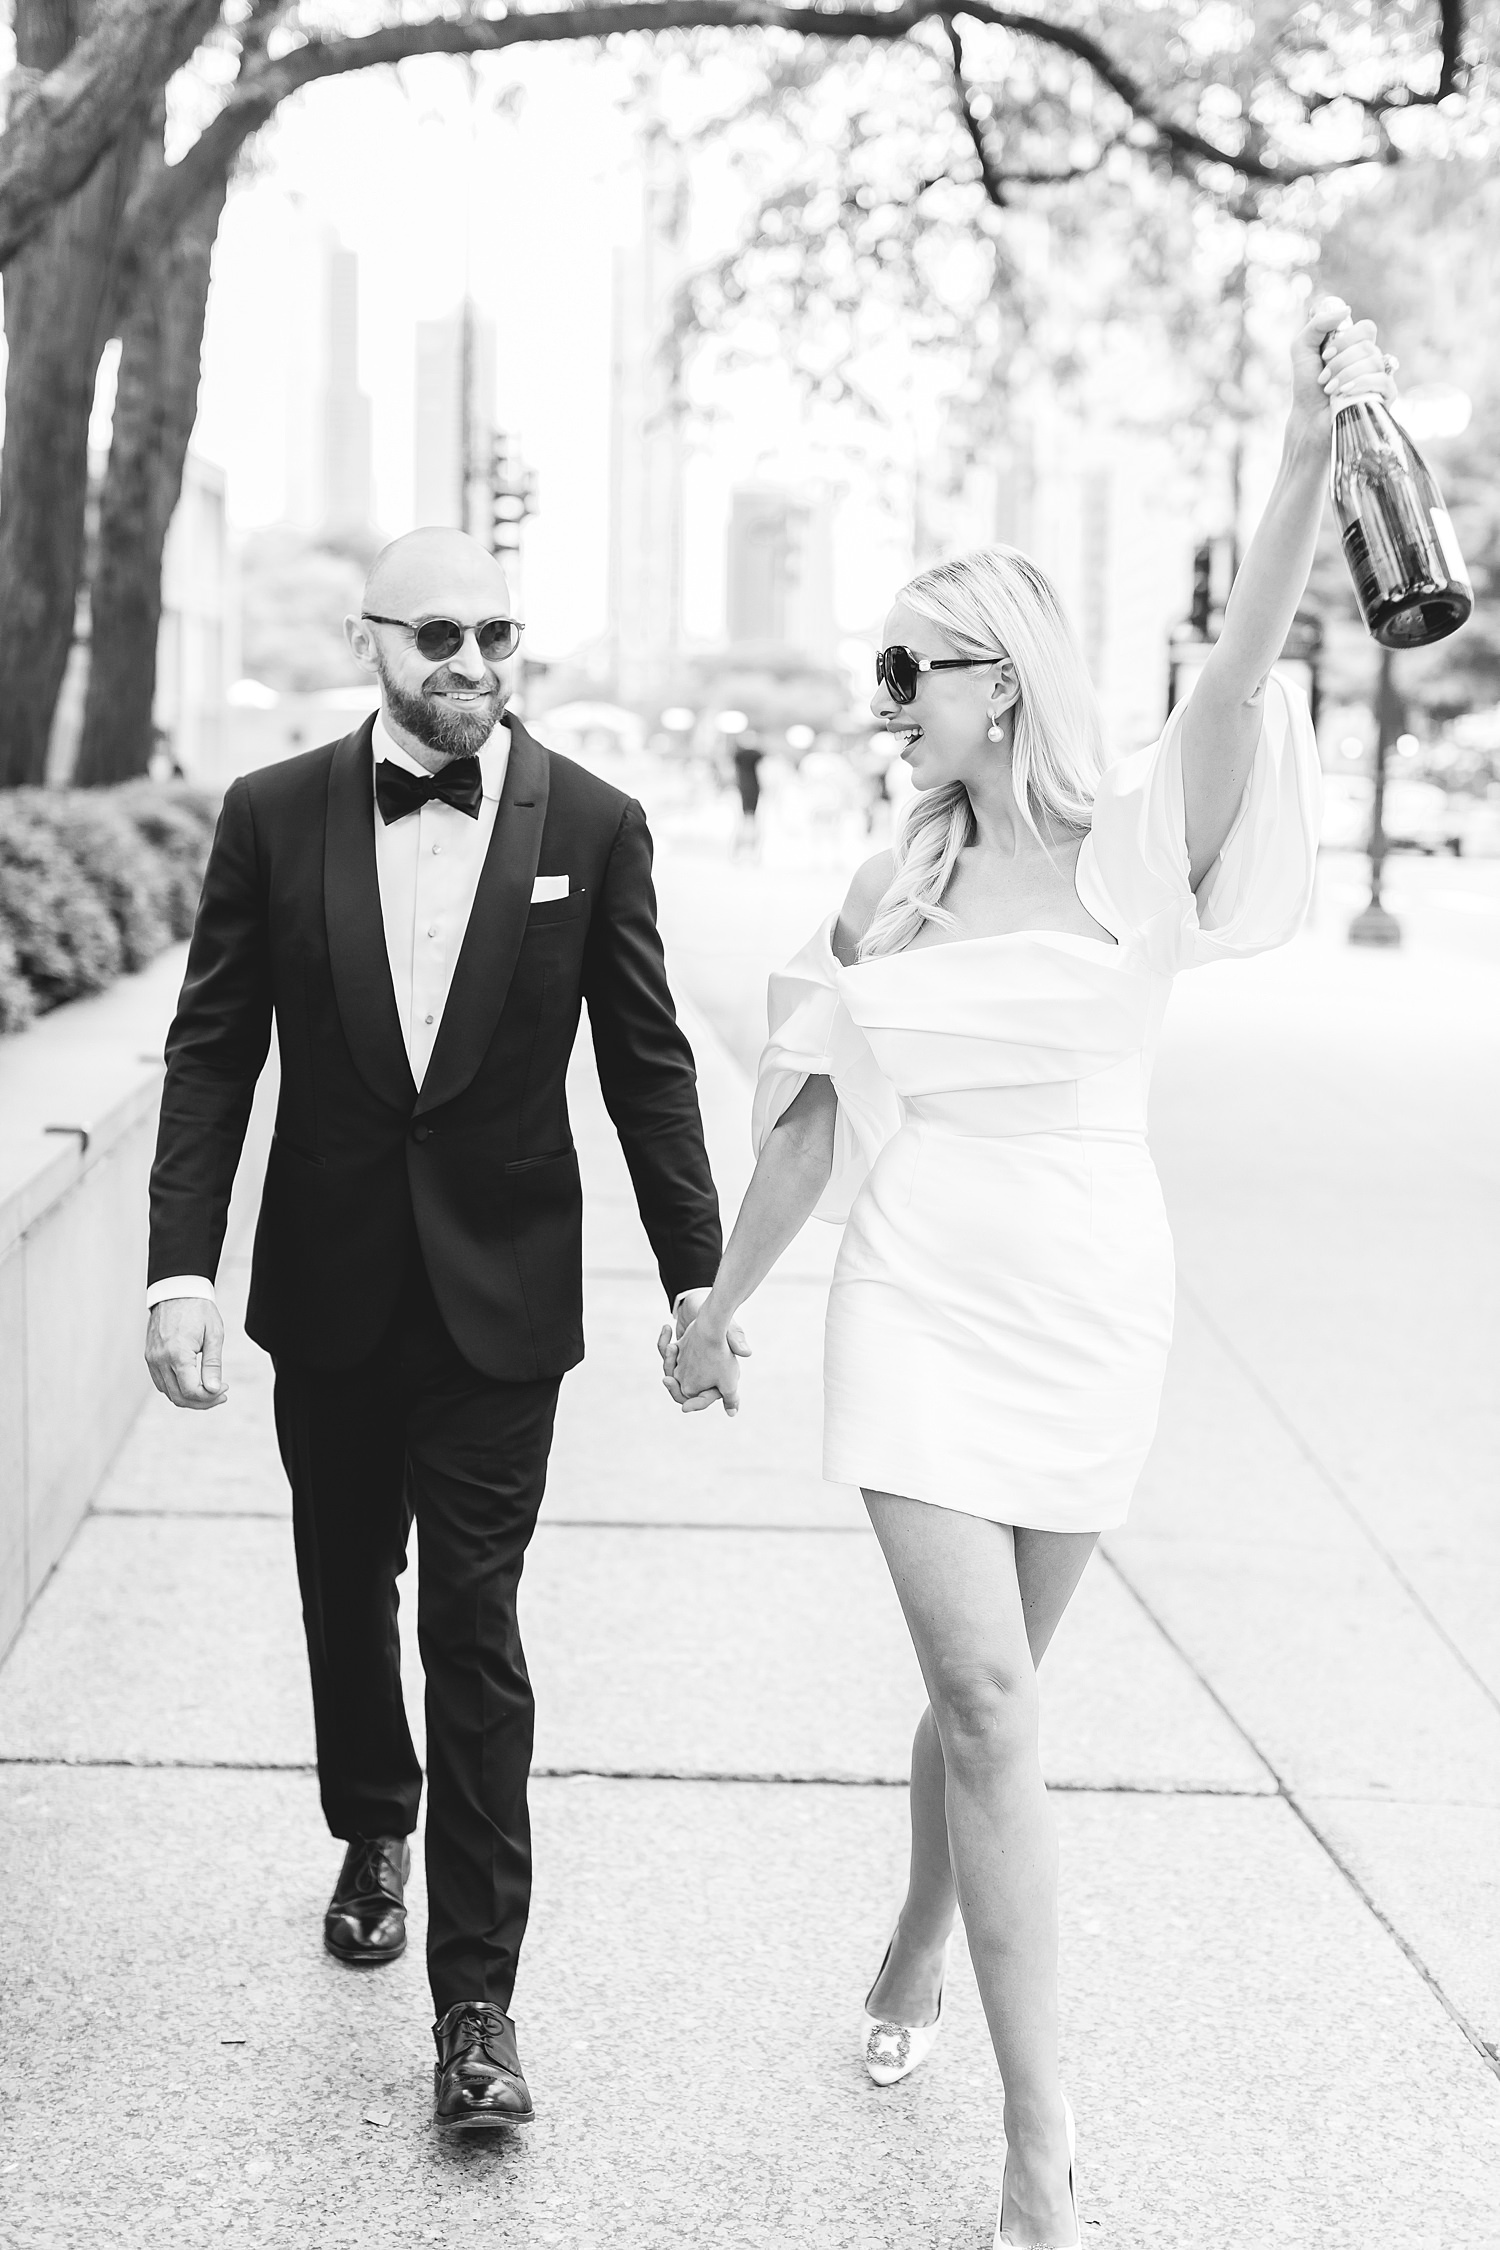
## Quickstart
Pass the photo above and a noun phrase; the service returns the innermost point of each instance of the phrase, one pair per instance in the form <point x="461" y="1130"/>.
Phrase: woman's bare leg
<point x="907" y="1988"/>
<point x="958" y="1580"/>
<point x="1048" y="1567"/>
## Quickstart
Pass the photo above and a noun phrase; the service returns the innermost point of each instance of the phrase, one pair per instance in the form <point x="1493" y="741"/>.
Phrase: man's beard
<point x="438" y="726"/>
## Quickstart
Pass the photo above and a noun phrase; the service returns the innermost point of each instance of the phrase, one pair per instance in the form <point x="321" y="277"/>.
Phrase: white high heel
<point x="1013" y="2242"/>
<point x="892" y="2051"/>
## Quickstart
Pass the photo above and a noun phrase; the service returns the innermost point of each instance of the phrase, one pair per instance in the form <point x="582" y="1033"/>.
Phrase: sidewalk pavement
<point x="1272" y="1725"/>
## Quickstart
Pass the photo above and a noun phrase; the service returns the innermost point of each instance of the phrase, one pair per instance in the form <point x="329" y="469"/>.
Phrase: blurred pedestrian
<point x="958" y="1066"/>
<point x="422" y="908"/>
<point x="748" y="753"/>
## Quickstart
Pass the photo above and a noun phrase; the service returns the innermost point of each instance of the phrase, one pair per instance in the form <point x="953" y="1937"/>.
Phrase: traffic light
<point x="512" y="498"/>
<point x="1203" y="576"/>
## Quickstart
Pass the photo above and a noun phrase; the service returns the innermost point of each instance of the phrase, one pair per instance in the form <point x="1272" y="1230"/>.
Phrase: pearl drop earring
<point x="996" y="730"/>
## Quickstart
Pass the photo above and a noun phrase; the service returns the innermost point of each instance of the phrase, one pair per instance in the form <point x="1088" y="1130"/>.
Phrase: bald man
<point x="423" y="909"/>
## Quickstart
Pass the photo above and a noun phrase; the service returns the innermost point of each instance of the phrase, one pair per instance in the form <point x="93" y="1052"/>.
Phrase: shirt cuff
<point x="180" y="1285"/>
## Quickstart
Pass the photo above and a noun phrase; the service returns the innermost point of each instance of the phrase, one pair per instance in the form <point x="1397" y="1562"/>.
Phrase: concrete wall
<point x="78" y="1105"/>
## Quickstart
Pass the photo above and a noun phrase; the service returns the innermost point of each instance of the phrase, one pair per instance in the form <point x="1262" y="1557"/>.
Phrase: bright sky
<point x="394" y="168"/>
<point x="535" y="184"/>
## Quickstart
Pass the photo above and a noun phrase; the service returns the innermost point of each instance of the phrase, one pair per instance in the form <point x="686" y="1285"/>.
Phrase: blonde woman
<point x="958" y="1063"/>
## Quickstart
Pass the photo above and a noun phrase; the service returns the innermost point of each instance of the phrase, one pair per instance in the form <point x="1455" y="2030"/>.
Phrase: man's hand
<point x="185" y="1351"/>
<point x="710" y="1372"/>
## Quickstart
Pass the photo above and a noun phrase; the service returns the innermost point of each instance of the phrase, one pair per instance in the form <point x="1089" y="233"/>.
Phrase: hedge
<point x="93" y="884"/>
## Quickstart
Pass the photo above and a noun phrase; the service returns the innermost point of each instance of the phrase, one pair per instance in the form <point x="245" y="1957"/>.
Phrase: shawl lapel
<point x="356" y="930"/>
<point x="497" y="924"/>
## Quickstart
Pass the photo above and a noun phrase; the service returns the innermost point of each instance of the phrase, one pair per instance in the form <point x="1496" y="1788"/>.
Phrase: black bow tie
<point x="398" y="792"/>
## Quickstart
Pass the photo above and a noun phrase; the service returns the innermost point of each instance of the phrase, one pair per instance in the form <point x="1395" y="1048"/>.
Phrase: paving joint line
<point x="688" y="1523"/>
<point x="1336" y="1490"/>
<point x="772" y="1280"/>
<point x="685" y="1774"/>
<point x="1488" y="2055"/>
<point x="196" y="1515"/>
<point x="545" y="1523"/>
<point x="884" y="1781"/>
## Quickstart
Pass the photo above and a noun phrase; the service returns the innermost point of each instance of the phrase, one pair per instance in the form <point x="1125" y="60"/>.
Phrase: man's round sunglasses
<point x="439" y="637"/>
<point x="899" y="669"/>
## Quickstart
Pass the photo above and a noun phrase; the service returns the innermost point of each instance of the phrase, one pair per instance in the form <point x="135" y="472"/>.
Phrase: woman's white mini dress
<point x="1001" y="1306"/>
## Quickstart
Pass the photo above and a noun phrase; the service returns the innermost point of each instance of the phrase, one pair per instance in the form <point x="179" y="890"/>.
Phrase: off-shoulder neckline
<point x="996" y="937"/>
<point x="1111" y="944"/>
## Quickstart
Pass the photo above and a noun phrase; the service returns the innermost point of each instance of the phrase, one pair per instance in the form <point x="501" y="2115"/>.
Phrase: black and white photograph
<point x="749" y="1188"/>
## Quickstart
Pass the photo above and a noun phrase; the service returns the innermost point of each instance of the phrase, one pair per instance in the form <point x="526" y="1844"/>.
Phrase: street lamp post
<point x="1375" y="924"/>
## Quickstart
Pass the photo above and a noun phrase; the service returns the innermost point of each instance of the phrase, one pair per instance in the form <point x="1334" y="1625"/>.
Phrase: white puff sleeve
<point x="1133" y="869"/>
<point x="813" y="1035"/>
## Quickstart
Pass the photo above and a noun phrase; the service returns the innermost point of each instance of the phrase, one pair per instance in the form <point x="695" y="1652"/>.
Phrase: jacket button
<point x="421" y="1132"/>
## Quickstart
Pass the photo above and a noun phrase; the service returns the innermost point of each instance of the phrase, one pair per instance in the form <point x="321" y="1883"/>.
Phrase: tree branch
<point x="33" y="173"/>
<point x="256" y="30"/>
<point x="61" y="124"/>
<point x="1454" y="15"/>
<point x="993" y="177"/>
<point x="989" y="177"/>
<point x="1453" y="20"/>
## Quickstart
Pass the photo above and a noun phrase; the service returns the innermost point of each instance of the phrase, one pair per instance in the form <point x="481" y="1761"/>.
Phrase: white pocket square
<point x="548" y="886"/>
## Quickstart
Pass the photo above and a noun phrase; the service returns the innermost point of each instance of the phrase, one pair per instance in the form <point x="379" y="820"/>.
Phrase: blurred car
<point x="1419" y="816"/>
<point x="1347" y="798"/>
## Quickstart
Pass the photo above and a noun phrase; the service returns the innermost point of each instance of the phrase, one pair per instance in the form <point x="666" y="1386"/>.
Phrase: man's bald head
<point x="436" y="572"/>
<point x="436" y="707"/>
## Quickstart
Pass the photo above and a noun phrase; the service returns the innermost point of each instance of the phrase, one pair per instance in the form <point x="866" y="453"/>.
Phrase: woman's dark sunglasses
<point x="899" y="669"/>
<point x="439" y="637"/>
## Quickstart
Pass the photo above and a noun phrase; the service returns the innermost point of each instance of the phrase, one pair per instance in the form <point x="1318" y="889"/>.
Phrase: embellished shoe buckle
<point x="889" y="2046"/>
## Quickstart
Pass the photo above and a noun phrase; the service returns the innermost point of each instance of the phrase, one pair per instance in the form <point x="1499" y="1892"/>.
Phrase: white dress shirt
<point x="427" y="866"/>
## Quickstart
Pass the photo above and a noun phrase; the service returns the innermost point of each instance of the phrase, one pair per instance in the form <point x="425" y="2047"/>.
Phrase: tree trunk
<point x="156" y="404"/>
<point x="58" y="294"/>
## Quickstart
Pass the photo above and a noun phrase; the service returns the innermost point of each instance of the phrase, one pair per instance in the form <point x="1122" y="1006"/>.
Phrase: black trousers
<point x="415" y="1432"/>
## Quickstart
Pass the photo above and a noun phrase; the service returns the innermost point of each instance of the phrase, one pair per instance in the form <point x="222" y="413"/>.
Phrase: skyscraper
<point x="780" y="574"/>
<point x="437" y="494"/>
<point x="647" y="447"/>
<point x="329" y="478"/>
<point x="347" y="483"/>
<point x="1101" y="509"/>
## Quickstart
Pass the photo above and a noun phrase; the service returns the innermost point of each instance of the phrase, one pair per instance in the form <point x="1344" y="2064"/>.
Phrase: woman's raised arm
<point x="1221" y="724"/>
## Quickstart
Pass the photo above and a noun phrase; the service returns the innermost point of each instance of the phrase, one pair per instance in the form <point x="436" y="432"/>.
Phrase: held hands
<point x="699" y="1357"/>
<point x="185" y="1352"/>
<point x="1355" y="365"/>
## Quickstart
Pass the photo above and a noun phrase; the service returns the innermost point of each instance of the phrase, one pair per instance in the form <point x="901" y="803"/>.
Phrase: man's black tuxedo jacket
<point x="481" y="1162"/>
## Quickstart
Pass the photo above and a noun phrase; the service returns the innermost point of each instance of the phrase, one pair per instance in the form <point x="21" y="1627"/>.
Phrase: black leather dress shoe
<point x="477" y="2078"/>
<point x="366" y="1918"/>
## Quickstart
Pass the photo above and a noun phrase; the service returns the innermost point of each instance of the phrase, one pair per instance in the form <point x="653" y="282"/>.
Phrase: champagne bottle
<point x="1409" y="576"/>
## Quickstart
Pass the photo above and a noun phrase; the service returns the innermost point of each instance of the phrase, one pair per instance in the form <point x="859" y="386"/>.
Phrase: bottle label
<point x="1442" y="524"/>
<point x="1361" y="570"/>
